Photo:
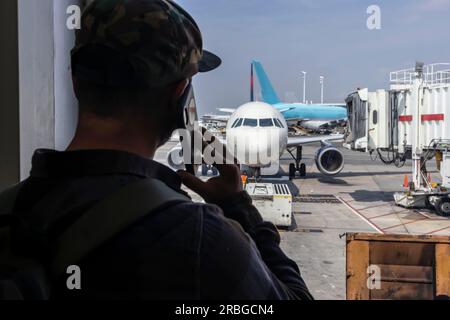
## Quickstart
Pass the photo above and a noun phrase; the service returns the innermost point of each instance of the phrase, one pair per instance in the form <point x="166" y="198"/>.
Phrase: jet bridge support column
<point x="416" y="147"/>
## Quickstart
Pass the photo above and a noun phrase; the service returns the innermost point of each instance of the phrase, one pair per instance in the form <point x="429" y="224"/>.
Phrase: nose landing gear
<point x="206" y="168"/>
<point x="297" y="166"/>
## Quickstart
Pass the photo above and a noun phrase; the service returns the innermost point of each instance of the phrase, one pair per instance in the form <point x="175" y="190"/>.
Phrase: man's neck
<point x="108" y="134"/>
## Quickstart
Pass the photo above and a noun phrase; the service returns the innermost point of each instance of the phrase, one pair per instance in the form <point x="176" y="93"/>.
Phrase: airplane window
<point x="265" y="123"/>
<point x="239" y="123"/>
<point x="250" y="123"/>
<point x="277" y="123"/>
<point x="235" y="123"/>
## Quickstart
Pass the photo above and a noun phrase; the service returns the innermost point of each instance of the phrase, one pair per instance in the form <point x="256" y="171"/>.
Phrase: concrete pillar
<point x="37" y="104"/>
<point x="36" y="79"/>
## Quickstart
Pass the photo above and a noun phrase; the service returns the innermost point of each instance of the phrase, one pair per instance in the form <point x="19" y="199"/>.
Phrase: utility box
<point x="397" y="267"/>
<point x="274" y="202"/>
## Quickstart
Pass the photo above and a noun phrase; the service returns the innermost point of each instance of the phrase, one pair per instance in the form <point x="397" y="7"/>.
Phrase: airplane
<point x="315" y="117"/>
<point x="252" y="124"/>
<point x="309" y="116"/>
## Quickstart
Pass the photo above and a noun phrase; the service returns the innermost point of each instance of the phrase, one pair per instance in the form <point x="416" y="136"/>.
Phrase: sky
<point x="321" y="37"/>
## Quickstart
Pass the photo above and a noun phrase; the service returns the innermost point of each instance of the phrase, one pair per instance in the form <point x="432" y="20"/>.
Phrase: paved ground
<point x="358" y="200"/>
<point x="366" y="188"/>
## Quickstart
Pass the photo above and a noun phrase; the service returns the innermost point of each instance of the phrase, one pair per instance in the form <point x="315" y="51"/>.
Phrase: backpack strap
<point x="8" y="199"/>
<point x="109" y="217"/>
<point x="7" y="203"/>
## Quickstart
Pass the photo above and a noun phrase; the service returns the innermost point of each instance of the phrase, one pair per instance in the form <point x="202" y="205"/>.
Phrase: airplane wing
<point x="337" y="122"/>
<point x="316" y="124"/>
<point x="215" y="118"/>
<point x="227" y="110"/>
<point x="342" y="105"/>
<point x="298" y="141"/>
<point x="294" y="121"/>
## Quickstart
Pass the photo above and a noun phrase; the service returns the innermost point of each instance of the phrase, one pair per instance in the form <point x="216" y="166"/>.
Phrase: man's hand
<point x="216" y="190"/>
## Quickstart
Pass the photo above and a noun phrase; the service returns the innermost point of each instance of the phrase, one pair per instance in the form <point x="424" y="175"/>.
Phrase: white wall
<point x="47" y="103"/>
<point x="65" y="102"/>
<point x="37" y="105"/>
<point x="36" y="79"/>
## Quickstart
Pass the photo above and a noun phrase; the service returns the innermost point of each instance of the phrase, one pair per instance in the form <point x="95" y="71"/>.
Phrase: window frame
<point x="250" y="126"/>
<point x="266" y="119"/>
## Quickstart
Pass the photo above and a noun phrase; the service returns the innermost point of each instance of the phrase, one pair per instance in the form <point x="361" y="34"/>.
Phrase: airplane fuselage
<point x="312" y="112"/>
<point x="257" y="136"/>
<point x="256" y="131"/>
<point x="298" y="112"/>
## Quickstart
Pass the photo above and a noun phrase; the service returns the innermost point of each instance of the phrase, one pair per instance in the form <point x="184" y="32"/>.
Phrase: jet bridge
<point x="411" y="120"/>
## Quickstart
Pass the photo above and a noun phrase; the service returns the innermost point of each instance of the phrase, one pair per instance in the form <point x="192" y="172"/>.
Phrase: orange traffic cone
<point x="406" y="182"/>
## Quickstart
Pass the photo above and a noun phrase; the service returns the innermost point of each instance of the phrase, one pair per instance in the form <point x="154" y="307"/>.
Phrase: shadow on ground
<point x="318" y="175"/>
<point x="372" y="196"/>
<point x="335" y="181"/>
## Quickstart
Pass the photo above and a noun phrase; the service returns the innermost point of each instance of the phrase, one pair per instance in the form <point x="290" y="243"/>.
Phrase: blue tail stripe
<point x="268" y="93"/>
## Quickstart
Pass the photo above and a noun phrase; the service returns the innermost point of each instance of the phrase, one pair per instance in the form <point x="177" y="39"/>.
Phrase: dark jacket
<point x="184" y="251"/>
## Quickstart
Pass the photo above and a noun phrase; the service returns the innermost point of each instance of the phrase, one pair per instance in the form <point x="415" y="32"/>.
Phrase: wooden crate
<point x="407" y="267"/>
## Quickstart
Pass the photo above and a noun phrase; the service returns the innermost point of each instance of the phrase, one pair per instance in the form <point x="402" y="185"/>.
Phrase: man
<point x="132" y="62"/>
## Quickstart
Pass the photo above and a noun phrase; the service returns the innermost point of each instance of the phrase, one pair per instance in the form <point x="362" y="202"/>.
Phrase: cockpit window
<point x="250" y="123"/>
<point x="238" y="123"/>
<point x="278" y="123"/>
<point x="265" y="123"/>
<point x="235" y="123"/>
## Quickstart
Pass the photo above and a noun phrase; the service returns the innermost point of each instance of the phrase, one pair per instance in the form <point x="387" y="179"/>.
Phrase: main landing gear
<point x="297" y="166"/>
<point x="207" y="168"/>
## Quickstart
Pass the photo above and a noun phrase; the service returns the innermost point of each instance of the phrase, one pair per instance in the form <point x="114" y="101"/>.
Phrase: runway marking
<point x="439" y="230"/>
<point x="403" y="224"/>
<point x="355" y="211"/>
<point x="385" y="230"/>
<point x="377" y="206"/>
<point x="431" y="218"/>
<point x="387" y="214"/>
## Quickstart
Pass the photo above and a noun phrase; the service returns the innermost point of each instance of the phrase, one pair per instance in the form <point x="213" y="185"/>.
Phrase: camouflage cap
<point x="157" y="38"/>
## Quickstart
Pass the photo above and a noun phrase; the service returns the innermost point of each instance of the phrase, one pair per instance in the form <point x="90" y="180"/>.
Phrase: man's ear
<point x="180" y="88"/>
<point x="75" y="86"/>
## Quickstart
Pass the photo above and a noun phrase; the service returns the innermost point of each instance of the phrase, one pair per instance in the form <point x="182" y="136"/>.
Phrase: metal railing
<point x="434" y="74"/>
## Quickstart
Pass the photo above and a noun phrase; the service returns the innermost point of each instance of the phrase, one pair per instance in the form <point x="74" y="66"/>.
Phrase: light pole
<point x="322" y="80"/>
<point x="304" y="86"/>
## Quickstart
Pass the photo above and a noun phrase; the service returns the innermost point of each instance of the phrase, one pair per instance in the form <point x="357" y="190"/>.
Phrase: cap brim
<point x="209" y="62"/>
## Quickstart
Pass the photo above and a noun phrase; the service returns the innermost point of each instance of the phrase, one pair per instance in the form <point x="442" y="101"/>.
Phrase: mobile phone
<point x="187" y="119"/>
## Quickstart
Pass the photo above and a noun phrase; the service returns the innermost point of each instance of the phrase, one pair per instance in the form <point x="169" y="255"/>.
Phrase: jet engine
<point x="175" y="158"/>
<point x="329" y="160"/>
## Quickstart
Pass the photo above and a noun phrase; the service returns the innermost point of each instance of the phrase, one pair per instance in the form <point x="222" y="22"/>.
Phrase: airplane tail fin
<point x="268" y="93"/>
<point x="252" y="84"/>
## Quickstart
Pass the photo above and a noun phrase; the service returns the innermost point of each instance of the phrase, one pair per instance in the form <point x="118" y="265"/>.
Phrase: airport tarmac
<point x="360" y="199"/>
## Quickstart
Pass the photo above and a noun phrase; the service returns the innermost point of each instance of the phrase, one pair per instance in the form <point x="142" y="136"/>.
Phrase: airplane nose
<point x="259" y="148"/>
